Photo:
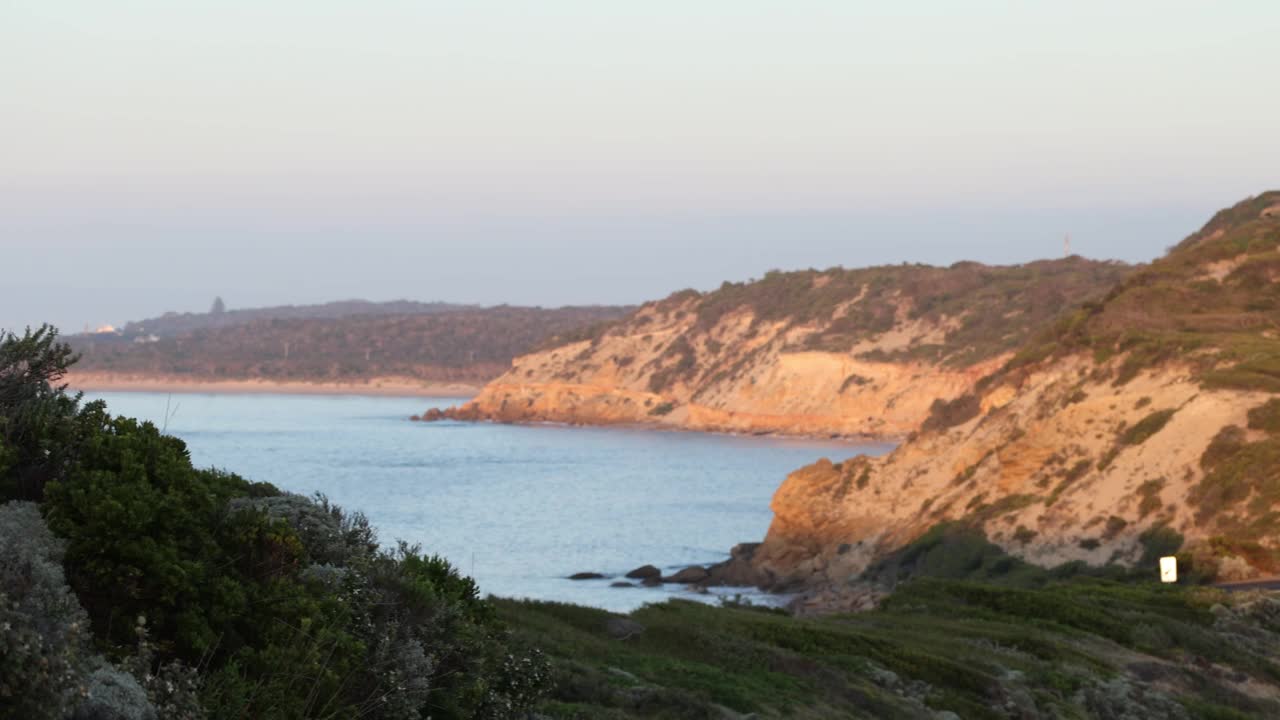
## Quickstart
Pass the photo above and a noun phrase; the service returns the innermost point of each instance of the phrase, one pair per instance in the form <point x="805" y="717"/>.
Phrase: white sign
<point x="1169" y="569"/>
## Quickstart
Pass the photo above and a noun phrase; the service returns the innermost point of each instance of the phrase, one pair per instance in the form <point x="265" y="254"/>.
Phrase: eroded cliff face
<point x="748" y="383"/>
<point x="1060" y="469"/>
<point x="1155" y="410"/>
<point x="860" y="353"/>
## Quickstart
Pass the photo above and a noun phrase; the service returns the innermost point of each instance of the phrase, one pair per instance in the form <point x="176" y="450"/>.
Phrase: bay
<point x="519" y="508"/>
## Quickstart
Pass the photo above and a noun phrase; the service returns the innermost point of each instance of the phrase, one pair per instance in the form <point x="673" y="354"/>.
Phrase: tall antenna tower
<point x="1066" y="245"/>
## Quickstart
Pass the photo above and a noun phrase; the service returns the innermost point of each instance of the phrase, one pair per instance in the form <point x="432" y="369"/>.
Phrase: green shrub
<point x="1115" y="525"/>
<point x="1146" y="427"/>
<point x="1266" y="416"/>
<point x="663" y="408"/>
<point x="1076" y="472"/>
<point x="944" y="414"/>
<point x="1149" y="492"/>
<point x="1158" y="542"/>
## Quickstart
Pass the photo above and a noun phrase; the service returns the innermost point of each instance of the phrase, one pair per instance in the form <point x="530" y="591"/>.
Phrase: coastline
<point x="382" y="386"/>
<point x="852" y="439"/>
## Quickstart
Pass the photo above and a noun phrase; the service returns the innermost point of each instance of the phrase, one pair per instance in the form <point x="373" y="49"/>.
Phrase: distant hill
<point x="173" y="323"/>
<point x="432" y="342"/>
<point x="815" y="352"/>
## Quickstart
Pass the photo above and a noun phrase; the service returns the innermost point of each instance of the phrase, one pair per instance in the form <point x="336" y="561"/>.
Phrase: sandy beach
<point x="390" y="386"/>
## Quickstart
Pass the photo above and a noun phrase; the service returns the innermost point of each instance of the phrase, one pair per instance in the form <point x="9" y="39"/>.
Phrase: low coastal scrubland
<point x="138" y="586"/>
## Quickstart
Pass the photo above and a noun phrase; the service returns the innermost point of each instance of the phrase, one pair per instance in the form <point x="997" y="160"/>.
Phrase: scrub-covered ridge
<point x="834" y="352"/>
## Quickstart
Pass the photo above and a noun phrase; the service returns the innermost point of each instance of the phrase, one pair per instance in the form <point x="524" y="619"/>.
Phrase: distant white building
<point x="105" y="329"/>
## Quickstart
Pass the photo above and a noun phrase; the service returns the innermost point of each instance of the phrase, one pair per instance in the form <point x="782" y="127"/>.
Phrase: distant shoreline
<point x="384" y="386"/>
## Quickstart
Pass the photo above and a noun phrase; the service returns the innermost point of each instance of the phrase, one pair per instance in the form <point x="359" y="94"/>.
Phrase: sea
<point x="519" y="508"/>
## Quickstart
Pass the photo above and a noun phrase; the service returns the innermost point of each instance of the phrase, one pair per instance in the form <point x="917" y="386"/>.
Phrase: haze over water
<point x="519" y="508"/>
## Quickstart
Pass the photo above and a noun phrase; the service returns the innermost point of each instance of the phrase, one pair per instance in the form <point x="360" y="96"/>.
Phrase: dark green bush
<point x="1146" y="427"/>
<point x="1266" y="416"/>
<point x="285" y="604"/>
<point x="664" y="408"/>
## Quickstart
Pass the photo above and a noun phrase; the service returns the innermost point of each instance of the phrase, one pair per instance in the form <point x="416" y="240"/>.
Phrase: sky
<point x="154" y="154"/>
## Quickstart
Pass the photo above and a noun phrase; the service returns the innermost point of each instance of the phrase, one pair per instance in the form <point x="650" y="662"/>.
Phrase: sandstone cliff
<point x="1154" y="411"/>
<point x="837" y="352"/>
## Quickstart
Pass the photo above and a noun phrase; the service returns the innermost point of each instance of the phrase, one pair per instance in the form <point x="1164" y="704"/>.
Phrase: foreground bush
<point x="44" y="638"/>
<point x="207" y="591"/>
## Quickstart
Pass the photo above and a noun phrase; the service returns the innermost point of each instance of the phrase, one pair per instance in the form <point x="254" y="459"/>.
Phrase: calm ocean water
<point x="518" y="508"/>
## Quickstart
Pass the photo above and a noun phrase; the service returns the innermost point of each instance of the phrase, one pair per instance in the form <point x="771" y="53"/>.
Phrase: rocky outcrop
<point x="1151" y="415"/>
<point x="851" y="353"/>
<point x="644" y="572"/>
<point x="688" y="576"/>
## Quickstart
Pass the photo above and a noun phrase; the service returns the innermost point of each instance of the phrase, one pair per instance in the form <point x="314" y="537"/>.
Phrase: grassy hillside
<point x="450" y="345"/>
<point x="1081" y="648"/>
<point x="1213" y="301"/>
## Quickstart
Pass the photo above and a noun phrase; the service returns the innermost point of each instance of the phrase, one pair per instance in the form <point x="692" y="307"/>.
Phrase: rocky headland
<point x="833" y="353"/>
<point x="1146" y="422"/>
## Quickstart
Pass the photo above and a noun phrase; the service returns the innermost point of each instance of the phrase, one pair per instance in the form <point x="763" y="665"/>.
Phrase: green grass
<point x="937" y="644"/>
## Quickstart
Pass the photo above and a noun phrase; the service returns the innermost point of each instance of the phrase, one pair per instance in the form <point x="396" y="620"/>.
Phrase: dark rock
<point x="432" y="415"/>
<point x="689" y="575"/>
<point x="621" y="584"/>
<point x="644" y="571"/>
<point x="651" y="581"/>
<point x="1149" y="672"/>
<point x="586" y="576"/>
<point x="738" y="571"/>
<point x="620" y="628"/>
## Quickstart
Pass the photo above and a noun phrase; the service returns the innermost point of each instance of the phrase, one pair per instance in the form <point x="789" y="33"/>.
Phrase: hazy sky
<point x="154" y="154"/>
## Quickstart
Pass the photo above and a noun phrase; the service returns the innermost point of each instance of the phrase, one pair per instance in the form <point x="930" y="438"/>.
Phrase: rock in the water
<point x="738" y="569"/>
<point x="689" y="575"/>
<point x="586" y="576"/>
<point x="644" y="571"/>
<point x="652" y="581"/>
<point x="620" y="628"/>
<point x="621" y="584"/>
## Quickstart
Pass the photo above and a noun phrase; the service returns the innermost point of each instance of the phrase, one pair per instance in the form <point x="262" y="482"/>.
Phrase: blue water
<point x="517" y="507"/>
